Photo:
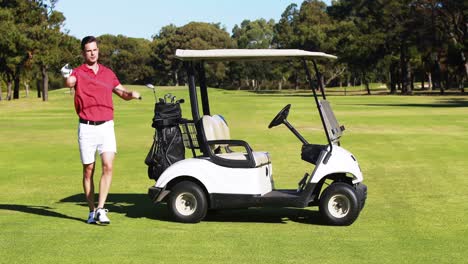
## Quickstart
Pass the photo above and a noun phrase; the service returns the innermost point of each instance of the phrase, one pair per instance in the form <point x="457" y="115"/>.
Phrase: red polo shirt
<point x="93" y="93"/>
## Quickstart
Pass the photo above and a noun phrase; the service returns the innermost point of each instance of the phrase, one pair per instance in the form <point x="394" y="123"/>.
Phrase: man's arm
<point x="70" y="82"/>
<point x="123" y="93"/>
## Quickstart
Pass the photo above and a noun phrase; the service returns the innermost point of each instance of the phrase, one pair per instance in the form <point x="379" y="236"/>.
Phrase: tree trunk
<point x="9" y="95"/>
<point x="461" y="85"/>
<point x="393" y="79"/>
<point x="26" y="87"/>
<point x="176" y="78"/>
<point x="405" y="75"/>
<point x="45" y="83"/>
<point x="410" y="78"/>
<point x="429" y="81"/>
<point x="366" y="83"/>
<point x="16" y="86"/>
<point x="296" y="81"/>
<point x="322" y="80"/>
<point x="280" y="84"/>
<point x="465" y="61"/>
<point x="438" y="76"/>
<point x="39" y="88"/>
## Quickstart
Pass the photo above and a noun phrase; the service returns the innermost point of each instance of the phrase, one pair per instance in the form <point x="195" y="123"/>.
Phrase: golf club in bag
<point x="168" y="146"/>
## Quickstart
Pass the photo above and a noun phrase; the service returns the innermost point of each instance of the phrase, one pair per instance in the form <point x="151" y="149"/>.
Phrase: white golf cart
<point x="218" y="177"/>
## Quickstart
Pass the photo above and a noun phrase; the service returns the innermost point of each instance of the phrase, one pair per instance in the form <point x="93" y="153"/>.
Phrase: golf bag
<point x="168" y="146"/>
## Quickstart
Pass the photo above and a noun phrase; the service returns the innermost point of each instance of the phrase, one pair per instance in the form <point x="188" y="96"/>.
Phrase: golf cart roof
<point x="247" y="54"/>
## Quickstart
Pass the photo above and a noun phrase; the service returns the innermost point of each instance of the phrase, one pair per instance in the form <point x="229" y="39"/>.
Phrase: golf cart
<point x="228" y="173"/>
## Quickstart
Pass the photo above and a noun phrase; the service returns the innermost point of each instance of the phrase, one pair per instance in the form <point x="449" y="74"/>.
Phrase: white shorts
<point x="93" y="138"/>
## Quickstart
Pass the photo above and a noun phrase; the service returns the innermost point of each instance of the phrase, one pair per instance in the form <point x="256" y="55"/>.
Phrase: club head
<point x="150" y="86"/>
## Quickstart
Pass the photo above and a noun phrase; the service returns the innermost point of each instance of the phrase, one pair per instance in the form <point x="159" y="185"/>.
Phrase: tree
<point x="15" y="46"/>
<point x="284" y="36"/>
<point x="310" y="28"/>
<point x="257" y="34"/>
<point x="195" y="35"/>
<point x="128" y="57"/>
<point x="32" y="34"/>
<point x="48" y="41"/>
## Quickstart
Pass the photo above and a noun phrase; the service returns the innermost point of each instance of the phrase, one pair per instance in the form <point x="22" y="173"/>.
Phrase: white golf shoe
<point x="101" y="216"/>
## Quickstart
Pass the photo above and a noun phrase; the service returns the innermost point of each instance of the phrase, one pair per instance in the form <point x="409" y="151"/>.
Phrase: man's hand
<point x="135" y="95"/>
<point x="66" y="71"/>
<point x="126" y="95"/>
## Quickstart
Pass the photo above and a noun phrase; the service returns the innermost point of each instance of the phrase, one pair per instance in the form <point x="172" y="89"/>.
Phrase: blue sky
<point x="144" y="18"/>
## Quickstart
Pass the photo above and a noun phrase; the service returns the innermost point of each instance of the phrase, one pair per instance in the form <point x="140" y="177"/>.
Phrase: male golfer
<point x="94" y="85"/>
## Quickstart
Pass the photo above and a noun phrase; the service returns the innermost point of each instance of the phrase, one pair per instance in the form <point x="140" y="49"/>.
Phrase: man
<point x="94" y="85"/>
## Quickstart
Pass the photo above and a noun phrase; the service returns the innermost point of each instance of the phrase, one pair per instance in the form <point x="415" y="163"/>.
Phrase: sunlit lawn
<point x="412" y="150"/>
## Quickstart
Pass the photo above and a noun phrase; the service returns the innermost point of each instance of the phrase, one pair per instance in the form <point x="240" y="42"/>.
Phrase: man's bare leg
<point x="106" y="177"/>
<point x="88" y="184"/>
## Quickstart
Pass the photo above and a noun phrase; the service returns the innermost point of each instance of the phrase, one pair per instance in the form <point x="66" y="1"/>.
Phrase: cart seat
<point x="217" y="131"/>
<point x="261" y="158"/>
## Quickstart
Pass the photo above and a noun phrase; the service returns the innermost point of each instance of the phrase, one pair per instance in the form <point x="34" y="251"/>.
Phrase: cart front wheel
<point x="187" y="202"/>
<point x="339" y="204"/>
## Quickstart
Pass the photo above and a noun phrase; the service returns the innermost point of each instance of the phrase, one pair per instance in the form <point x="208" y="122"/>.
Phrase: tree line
<point x="400" y="43"/>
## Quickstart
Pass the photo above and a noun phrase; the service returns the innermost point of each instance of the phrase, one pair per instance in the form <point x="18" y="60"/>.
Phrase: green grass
<point x="412" y="150"/>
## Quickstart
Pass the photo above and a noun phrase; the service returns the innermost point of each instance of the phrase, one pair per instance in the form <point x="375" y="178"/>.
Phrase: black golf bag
<point x="168" y="146"/>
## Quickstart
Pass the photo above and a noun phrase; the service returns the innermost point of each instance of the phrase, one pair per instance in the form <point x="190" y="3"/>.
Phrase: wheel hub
<point x="186" y="203"/>
<point x="339" y="205"/>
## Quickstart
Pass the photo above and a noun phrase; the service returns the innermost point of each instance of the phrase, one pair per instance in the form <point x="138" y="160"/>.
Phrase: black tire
<point x="361" y="191"/>
<point x="187" y="202"/>
<point x="339" y="204"/>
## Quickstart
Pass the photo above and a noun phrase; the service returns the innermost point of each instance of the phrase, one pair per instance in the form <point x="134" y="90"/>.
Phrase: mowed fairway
<point x="413" y="152"/>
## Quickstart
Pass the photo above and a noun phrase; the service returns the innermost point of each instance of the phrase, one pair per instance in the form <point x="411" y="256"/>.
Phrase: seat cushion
<point x="261" y="158"/>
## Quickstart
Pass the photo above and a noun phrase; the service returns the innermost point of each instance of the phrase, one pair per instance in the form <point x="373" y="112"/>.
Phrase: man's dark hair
<point x="87" y="40"/>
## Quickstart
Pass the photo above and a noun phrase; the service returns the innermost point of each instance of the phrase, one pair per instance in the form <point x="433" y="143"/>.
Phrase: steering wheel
<point x="280" y="117"/>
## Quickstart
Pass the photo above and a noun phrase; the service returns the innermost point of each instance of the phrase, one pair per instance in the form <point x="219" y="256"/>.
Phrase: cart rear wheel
<point x="339" y="204"/>
<point x="187" y="202"/>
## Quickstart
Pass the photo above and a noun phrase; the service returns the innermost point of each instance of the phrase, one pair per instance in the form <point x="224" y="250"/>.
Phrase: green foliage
<point x="195" y="35"/>
<point x="128" y="57"/>
<point x="32" y="37"/>
<point x="257" y="34"/>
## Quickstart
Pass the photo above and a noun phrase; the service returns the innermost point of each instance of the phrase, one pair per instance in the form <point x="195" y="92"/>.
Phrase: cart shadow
<point x="265" y="215"/>
<point x="140" y="206"/>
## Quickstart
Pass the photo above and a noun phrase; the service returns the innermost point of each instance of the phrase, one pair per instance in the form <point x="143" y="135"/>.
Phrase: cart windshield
<point x="333" y="127"/>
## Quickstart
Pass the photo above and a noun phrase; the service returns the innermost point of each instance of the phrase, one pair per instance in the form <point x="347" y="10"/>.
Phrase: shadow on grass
<point x="37" y="210"/>
<point x="265" y="215"/>
<point x="131" y="205"/>
<point x="140" y="206"/>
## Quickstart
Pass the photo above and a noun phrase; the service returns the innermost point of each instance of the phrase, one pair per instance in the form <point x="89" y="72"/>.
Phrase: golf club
<point x="166" y="97"/>
<point x="150" y="86"/>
